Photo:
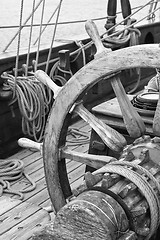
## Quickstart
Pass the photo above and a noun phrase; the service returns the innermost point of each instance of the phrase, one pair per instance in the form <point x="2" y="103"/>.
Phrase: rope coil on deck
<point x="12" y="170"/>
<point x="78" y="137"/>
<point x="143" y="185"/>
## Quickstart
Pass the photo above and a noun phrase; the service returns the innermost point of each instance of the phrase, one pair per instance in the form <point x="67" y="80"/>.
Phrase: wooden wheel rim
<point x="107" y="63"/>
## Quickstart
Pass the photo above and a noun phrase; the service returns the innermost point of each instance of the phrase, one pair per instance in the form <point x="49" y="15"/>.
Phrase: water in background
<point x="71" y="10"/>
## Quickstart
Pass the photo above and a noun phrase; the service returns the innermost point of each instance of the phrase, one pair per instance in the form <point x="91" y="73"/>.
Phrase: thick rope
<point x="110" y="37"/>
<point x="139" y="8"/>
<point x="153" y="84"/>
<point x="128" y="17"/>
<point x="12" y="170"/>
<point x="77" y="137"/>
<point x="142" y="169"/>
<point x="34" y="101"/>
<point x="143" y="185"/>
<point x="53" y="37"/>
<point x="80" y="45"/>
<point x="55" y="74"/>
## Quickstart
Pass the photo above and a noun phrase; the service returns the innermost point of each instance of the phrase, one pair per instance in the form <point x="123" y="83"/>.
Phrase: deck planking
<point x="19" y="219"/>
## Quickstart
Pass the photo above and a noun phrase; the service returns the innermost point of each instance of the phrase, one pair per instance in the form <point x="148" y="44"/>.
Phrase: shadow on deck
<point x="19" y="219"/>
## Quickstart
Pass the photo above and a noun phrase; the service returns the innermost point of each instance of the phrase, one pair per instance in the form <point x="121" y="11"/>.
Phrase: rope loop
<point x="11" y="170"/>
<point x="57" y="72"/>
<point x="34" y="101"/>
<point x="142" y="184"/>
<point x="81" y="47"/>
<point x="77" y="137"/>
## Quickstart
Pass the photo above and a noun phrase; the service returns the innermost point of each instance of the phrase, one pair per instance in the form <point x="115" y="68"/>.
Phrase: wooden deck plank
<point x="7" y="204"/>
<point x="21" y="154"/>
<point x="31" y="216"/>
<point x="17" y="215"/>
<point x="36" y="171"/>
<point x="25" y="229"/>
<point x="41" y="198"/>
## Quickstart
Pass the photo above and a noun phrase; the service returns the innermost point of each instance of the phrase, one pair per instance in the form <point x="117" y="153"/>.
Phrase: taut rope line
<point x="21" y="27"/>
<point x="39" y="40"/>
<point x="54" y="33"/>
<point x="47" y="22"/>
<point x="30" y="37"/>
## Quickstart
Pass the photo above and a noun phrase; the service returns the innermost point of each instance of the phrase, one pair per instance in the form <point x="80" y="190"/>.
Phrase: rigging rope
<point x="143" y="185"/>
<point x="54" y="33"/>
<point x="55" y="74"/>
<point x="11" y="170"/>
<point x="118" y="37"/>
<point x="77" y="137"/>
<point x="21" y="27"/>
<point x="109" y="37"/>
<point x="39" y="40"/>
<point x="139" y="8"/>
<point x="153" y="5"/>
<point x="18" y="46"/>
<point x="34" y="101"/>
<point x="30" y="37"/>
<point x="47" y="24"/>
<point x="61" y="23"/>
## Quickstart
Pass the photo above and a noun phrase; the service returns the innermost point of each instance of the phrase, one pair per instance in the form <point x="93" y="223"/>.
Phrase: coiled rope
<point x="11" y="170"/>
<point x="142" y="184"/>
<point x="77" y="137"/>
<point x="56" y="76"/>
<point x="34" y="101"/>
<point x="153" y="84"/>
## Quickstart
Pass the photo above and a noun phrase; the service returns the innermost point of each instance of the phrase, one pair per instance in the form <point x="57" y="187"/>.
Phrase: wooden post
<point x="126" y="8"/>
<point x="64" y="64"/>
<point x="111" y="14"/>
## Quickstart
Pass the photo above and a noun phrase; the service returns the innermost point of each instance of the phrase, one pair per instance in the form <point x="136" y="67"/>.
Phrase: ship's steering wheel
<point x="107" y="63"/>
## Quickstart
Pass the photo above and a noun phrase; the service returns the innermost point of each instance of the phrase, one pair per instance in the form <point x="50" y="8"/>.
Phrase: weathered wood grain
<point x="89" y="216"/>
<point x="133" y="121"/>
<point x="136" y="56"/>
<point x="95" y="161"/>
<point x="25" y="229"/>
<point x="33" y="164"/>
<point x="111" y="137"/>
<point x="156" y="119"/>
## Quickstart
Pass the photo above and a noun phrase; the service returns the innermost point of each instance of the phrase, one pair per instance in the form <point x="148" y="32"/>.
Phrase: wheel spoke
<point x="95" y="161"/>
<point x="105" y="64"/>
<point x="133" y="122"/>
<point x="113" y="139"/>
<point x="27" y="143"/>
